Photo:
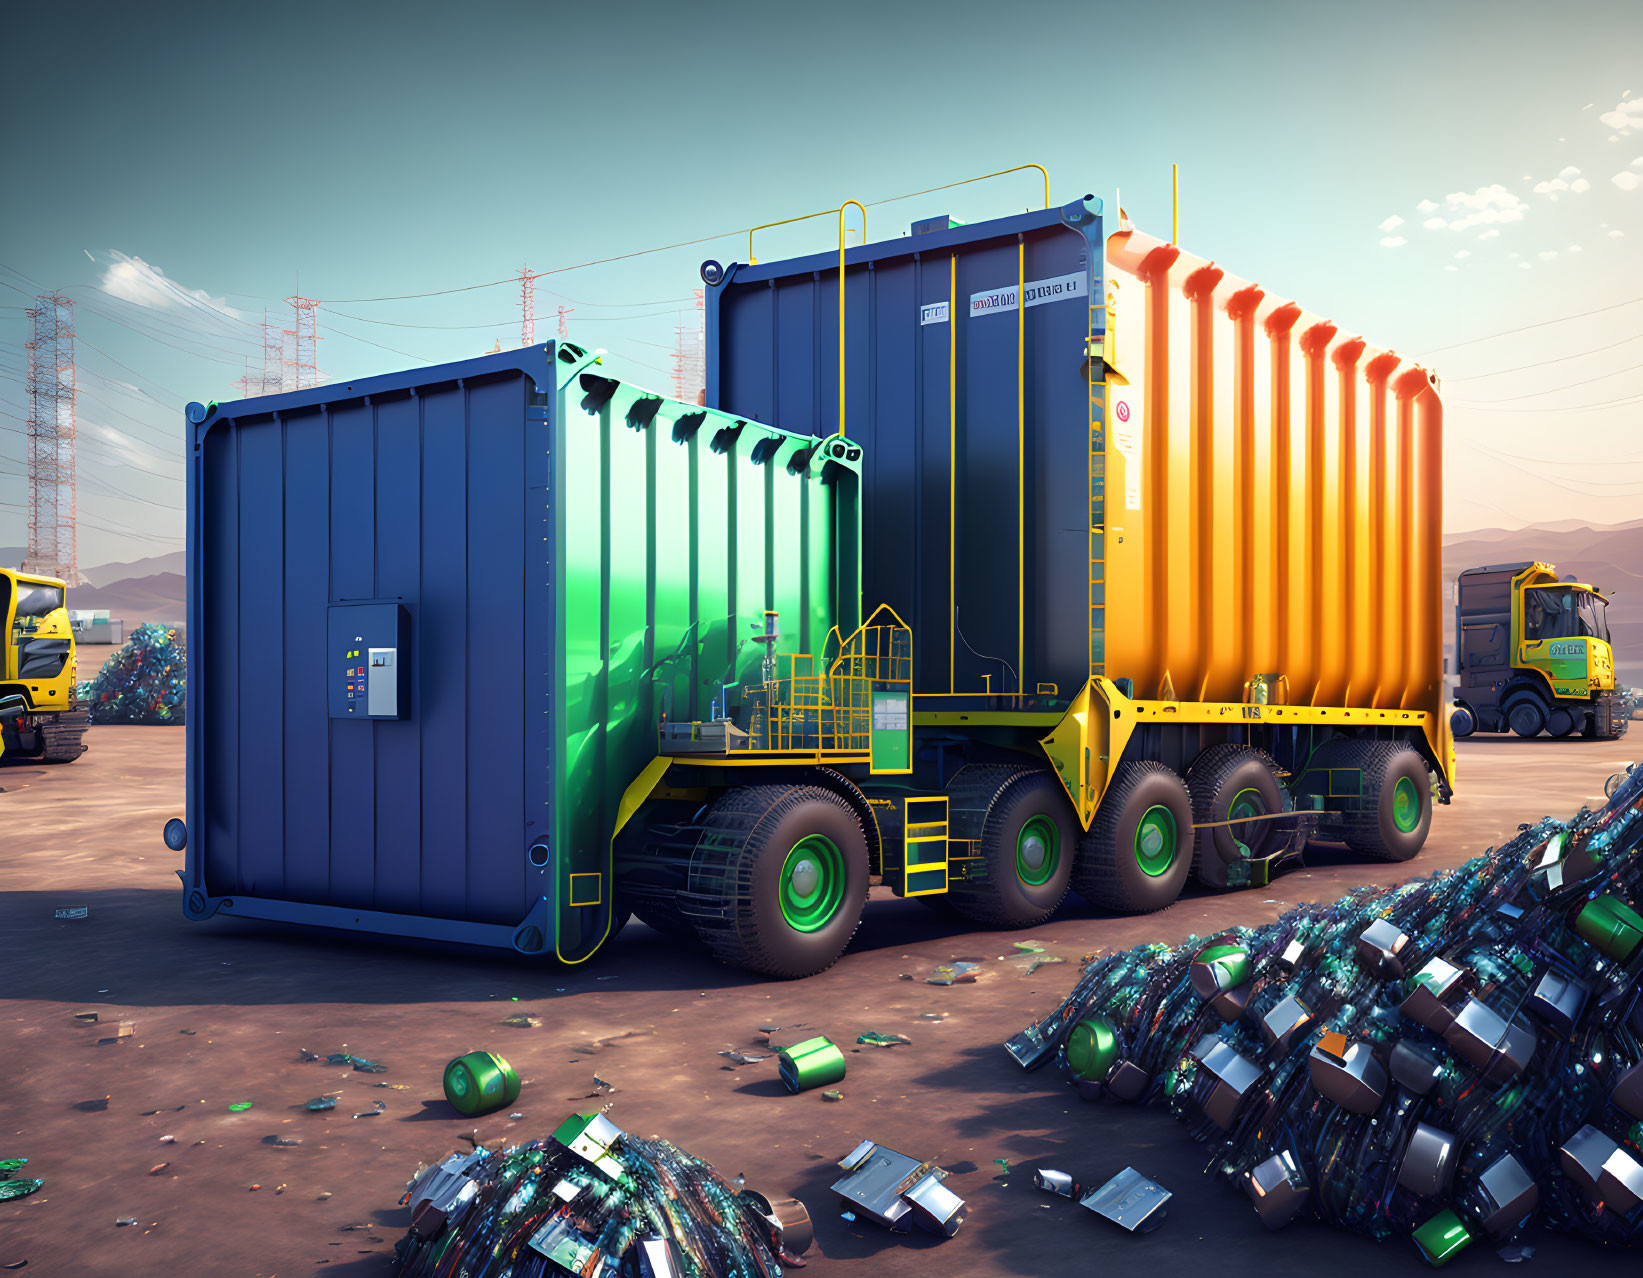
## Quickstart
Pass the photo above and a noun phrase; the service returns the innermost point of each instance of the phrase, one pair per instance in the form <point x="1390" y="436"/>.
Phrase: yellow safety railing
<point x="813" y="713"/>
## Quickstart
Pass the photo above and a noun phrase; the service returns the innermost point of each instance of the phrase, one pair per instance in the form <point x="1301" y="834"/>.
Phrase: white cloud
<point x="1524" y="266"/>
<point x="1617" y="234"/>
<point x="1391" y="224"/>
<point x="1580" y="186"/>
<point x="135" y="280"/>
<point x="1463" y="253"/>
<point x="1393" y="241"/>
<point x="1551" y="187"/>
<point x="1493" y="233"/>
<point x="1625" y="179"/>
<point x="1568" y="171"/>
<point x="1627" y="115"/>
<point x="1451" y="268"/>
<point x="1573" y="248"/>
<point x="1546" y="255"/>
<point x="1434" y="224"/>
<point x="1485" y="206"/>
<point x="1428" y="206"/>
<point x="1638" y="162"/>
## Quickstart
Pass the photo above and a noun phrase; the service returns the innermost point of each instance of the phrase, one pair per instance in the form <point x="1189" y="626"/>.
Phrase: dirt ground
<point x="222" y="1009"/>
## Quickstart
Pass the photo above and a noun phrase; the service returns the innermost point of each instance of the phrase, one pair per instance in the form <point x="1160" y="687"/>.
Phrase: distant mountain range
<point x="160" y="597"/>
<point x="1609" y="556"/>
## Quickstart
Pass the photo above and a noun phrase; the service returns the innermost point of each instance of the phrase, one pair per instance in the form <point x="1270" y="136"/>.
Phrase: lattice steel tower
<point x="527" y="305"/>
<point x="304" y="364"/>
<point x="53" y="537"/>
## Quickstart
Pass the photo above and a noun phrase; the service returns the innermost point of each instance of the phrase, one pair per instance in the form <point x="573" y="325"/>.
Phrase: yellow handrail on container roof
<point x="805" y="217"/>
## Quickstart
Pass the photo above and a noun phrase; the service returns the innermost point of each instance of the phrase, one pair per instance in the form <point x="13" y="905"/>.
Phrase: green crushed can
<point x="1611" y="925"/>
<point x="816" y="1062"/>
<point x="479" y="1083"/>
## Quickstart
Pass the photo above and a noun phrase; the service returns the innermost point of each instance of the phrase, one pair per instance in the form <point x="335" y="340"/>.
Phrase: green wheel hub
<point x="1156" y="840"/>
<point x="1037" y="851"/>
<point x="812" y="884"/>
<point x="1247" y="803"/>
<point x="1406" y="805"/>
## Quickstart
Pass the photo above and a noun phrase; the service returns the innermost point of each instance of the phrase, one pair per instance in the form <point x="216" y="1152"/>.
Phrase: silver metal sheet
<point x="1129" y="1199"/>
<point x="935" y="1207"/>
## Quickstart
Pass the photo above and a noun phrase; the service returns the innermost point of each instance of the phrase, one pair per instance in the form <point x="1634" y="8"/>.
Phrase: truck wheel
<point x="1525" y="716"/>
<point x="1027" y="843"/>
<point x="785" y="870"/>
<point x="1229" y="782"/>
<point x="1136" y="857"/>
<point x="1391" y="816"/>
<point x="1462" y="722"/>
<point x="1560" y="721"/>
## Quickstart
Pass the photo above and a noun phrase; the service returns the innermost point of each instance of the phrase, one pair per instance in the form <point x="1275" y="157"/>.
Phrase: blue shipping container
<point x="968" y="406"/>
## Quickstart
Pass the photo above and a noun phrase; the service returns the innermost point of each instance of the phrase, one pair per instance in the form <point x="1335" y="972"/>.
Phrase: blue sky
<point x="176" y="172"/>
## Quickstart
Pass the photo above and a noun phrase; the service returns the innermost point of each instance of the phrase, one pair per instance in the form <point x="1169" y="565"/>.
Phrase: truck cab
<point x="38" y="668"/>
<point x="1534" y="655"/>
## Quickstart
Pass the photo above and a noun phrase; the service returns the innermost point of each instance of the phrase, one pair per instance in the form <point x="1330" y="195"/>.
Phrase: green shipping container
<point x="436" y="618"/>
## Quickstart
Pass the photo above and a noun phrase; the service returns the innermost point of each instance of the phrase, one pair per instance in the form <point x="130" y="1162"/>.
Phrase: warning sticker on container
<point x="1124" y="429"/>
<point x="935" y="313"/>
<point x="1059" y="289"/>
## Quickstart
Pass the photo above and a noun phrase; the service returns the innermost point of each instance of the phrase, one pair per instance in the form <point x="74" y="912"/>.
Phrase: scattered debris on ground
<point x="962" y="972"/>
<point x="479" y="1083"/>
<point x="11" y="1185"/>
<point x="816" y="1062"/>
<point x="897" y="1192"/>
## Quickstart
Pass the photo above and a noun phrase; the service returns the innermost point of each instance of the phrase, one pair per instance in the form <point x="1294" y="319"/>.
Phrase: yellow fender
<point x="1085" y="747"/>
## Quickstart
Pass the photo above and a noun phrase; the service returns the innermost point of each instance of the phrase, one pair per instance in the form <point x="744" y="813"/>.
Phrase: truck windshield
<point x="36" y="600"/>
<point x="1564" y="614"/>
<point x="1593" y="615"/>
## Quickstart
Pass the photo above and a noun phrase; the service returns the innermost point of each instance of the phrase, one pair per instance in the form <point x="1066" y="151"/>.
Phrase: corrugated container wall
<point x="571" y="558"/>
<point x="1266" y="500"/>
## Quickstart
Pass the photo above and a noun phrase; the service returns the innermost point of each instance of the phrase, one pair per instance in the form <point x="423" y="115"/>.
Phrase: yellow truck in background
<point x="1533" y="655"/>
<point x="40" y="714"/>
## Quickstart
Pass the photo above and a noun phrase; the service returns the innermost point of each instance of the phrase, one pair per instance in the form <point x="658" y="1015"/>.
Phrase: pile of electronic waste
<point x="593" y="1200"/>
<point x="1447" y="1060"/>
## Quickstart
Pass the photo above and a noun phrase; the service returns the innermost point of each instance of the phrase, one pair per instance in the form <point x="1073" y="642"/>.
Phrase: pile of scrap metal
<point x="1446" y="1060"/>
<point x="593" y="1201"/>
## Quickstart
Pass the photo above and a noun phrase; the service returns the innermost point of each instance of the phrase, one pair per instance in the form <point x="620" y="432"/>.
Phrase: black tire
<point x="1029" y="838"/>
<point x="1562" y="721"/>
<point x="1219" y="777"/>
<point x="736" y="873"/>
<point x="1526" y="716"/>
<point x="1462" y="722"/>
<point x="1109" y="871"/>
<point x="1374" y="822"/>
